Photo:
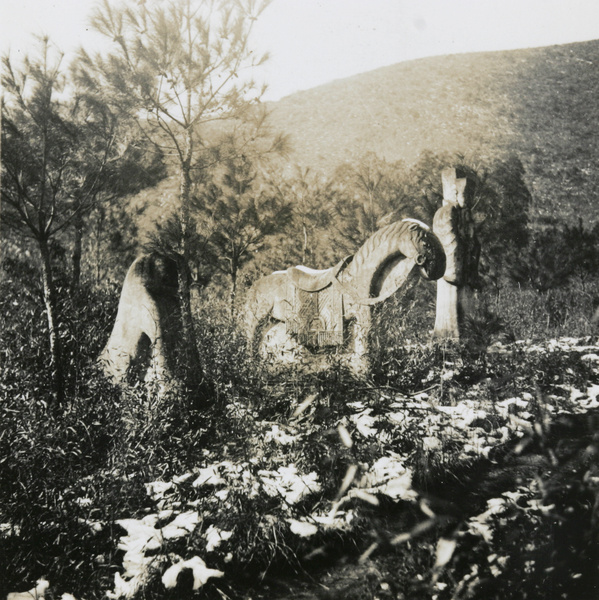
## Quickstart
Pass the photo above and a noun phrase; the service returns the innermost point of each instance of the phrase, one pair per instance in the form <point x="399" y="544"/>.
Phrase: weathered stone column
<point x="454" y="226"/>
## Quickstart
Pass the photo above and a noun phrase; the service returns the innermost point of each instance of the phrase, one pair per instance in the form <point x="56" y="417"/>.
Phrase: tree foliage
<point x="38" y="140"/>
<point x="174" y="68"/>
<point x="239" y="212"/>
<point x="312" y="199"/>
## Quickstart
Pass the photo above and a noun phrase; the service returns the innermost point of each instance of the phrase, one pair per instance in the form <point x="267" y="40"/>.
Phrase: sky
<point x="312" y="42"/>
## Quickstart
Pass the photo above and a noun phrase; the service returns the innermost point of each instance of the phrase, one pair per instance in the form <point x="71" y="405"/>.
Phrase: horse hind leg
<point x="268" y="338"/>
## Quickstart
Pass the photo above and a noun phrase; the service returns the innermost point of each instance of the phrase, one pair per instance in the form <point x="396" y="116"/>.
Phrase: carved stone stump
<point x="147" y="325"/>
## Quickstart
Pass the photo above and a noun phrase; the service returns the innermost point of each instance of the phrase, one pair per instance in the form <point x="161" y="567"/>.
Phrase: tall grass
<point x="527" y="314"/>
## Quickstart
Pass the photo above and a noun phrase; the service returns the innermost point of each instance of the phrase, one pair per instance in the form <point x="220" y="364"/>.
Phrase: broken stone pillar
<point x="454" y="226"/>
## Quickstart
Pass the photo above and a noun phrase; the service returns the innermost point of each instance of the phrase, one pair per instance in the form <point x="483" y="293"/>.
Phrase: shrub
<point x="557" y="255"/>
<point x="527" y="314"/>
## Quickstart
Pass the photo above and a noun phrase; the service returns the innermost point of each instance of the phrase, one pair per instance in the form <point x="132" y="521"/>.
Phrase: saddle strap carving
<point x="315" y="281"/>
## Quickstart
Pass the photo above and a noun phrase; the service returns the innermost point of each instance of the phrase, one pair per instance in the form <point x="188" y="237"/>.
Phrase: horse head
<point x="425" y="248"/>
<point x="384" y="262"/>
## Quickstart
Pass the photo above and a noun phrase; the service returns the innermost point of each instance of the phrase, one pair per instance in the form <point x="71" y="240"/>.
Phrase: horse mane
<point x="382" y="240"/>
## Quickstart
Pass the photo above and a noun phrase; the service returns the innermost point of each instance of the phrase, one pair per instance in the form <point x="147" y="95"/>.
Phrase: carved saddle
<point x="316" y="305"/>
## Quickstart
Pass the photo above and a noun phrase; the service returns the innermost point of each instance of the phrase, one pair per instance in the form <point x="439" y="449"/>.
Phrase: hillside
<point x="541" y="104"/>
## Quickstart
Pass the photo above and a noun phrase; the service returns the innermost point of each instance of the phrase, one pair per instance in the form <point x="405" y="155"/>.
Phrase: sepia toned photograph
<point x="299" y="300"/>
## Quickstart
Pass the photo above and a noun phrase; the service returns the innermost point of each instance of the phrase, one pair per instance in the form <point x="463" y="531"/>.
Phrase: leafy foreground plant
<point x="479" y="487"/>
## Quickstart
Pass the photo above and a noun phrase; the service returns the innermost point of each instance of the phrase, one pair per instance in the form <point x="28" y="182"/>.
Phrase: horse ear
<point x="386" y="220"/>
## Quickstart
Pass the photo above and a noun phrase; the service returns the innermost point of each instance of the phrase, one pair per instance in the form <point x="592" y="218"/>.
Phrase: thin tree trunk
<point x="77" y="251"/>
<point x="371" y="225"/>
<point x="50" y="302"/>
<point x="184" y="285"/>
<point x="191" y="355"/>
<point x="305" y="246"/>
<point x="99" y="229"/>
<point x="233" y="290"/>
<point x="98" y="261"/>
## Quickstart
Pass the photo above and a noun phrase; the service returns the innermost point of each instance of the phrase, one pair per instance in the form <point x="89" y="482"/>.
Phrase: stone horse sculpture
<point x="147" y="326"/>
<point x="332" y="307"/>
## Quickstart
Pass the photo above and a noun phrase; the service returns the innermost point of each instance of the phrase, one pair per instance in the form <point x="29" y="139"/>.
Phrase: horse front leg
<point x="359" y="361"/>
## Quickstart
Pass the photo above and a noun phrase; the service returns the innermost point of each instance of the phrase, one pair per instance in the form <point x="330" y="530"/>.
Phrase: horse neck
<point x="379" y="247"/>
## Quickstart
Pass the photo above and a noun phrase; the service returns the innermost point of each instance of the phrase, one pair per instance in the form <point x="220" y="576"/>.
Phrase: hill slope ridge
<point x="540" y="104"/>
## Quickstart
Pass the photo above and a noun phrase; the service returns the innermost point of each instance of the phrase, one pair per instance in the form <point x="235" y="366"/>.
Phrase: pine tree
<point x="176" y="67"/>
<point x="36" y="161"/>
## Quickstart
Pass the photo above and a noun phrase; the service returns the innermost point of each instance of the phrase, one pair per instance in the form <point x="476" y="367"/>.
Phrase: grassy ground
<point x="450" y="472"/>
